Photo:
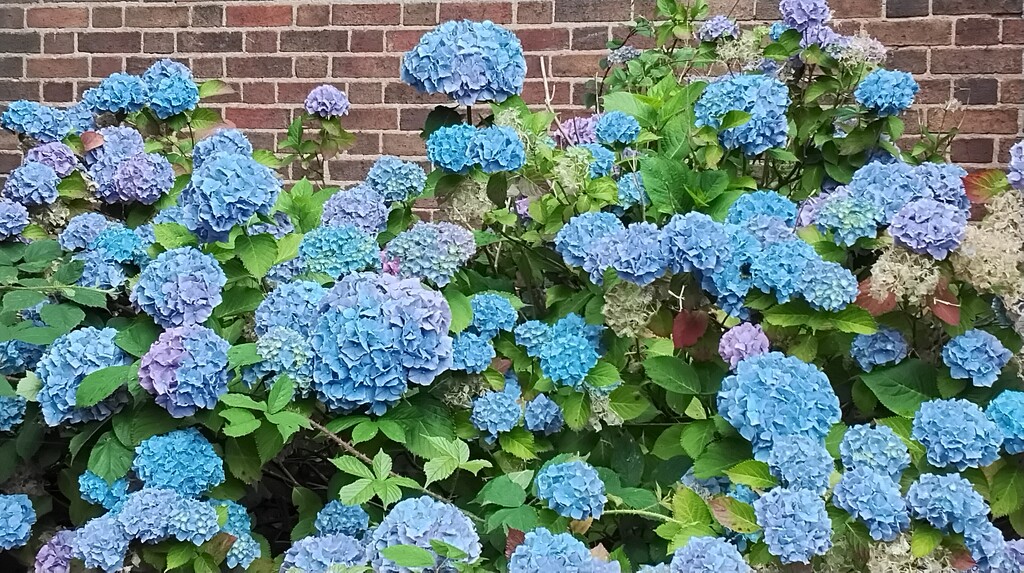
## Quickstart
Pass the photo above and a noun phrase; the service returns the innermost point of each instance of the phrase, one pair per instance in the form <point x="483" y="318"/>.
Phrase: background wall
<point x="273" y="53"/>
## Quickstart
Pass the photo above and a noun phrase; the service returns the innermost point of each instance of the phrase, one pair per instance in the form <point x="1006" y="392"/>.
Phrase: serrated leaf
<point x="576" y="410"/>
<point x="751" y="473"/>
<point x="352" y="466"/>
<point x="240" y="422"/>
<point x="1007" y="490"/>
<point x="173" y="235"/>
<point x="102" y="383"/>
<point x="63" y="317"/>
<point x="258" y="253"/>
<point x="440" y="468"/>
<point x="904" y="387"/>
<point x="138" y="337"/>
<point x="364" y="431"/>
<point x="924" y="539"/>
<point x="242" y="401"/>
<point x="409" y="556"/>
<point x="382" y="465"/>
<point x="672" y="374"/>
<point x="462" y="311"/>
<point x="734" y="514"/>
<point x="501" y="491"/>
<point x="602" y="375"/>
<point x="720" y="456"/>
<point x="628" y="402"/>
<point x="357" y="492"/>
<point x="519" y="443"/>
<point x="242" y="355"/>
<point x="281" y="394"/>
<point x="696" y="436"/>
<point x="689" y="509"/>
<point x="110" y="459"/>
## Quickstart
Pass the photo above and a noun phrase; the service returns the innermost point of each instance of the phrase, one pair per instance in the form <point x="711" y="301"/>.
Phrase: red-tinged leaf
<point x="91" y="140"/>
<point x="688" y="327"/>
<point x="514" y="539"/>
<point x="502" y="364"/>
<point x="600" y="553"/>
<point x="961" y="559"/>
<point x="982" y="185"/>
<point x="868" y="302"/>
<point x="945" y="304"/>
<point x="581" y="526"/>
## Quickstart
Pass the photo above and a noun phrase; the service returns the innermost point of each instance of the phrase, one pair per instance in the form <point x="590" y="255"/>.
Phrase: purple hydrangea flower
<point x="742" y="341"/>
<point x="577" y="130"/>
<point x="180" y="287"/>
<point x="1016" y="171"/>
<point x="32" y="183"/>
<point x="327" y="101"/>
<point x="13" y="219"/>
<point x="142" y="178"/>
<point x="927" y="226"/>
<point x="360" y="206"/>
<point x="56" y="554"/>
<point x="56" y="156"/>
<point x="82" y="230"/>
<point x="186" y="369"/>
<point x="944" y="182"/>
<point x="804" y="14"/>
<point x="718" y="27"/>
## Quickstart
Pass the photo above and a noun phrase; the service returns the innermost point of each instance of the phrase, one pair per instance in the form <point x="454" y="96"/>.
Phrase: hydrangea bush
<point x="723" y="324"/>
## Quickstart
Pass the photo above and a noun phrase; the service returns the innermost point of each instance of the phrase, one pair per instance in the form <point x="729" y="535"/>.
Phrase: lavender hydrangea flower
<point x="432" y="251"/>
<point x="338" y="250"/>
<point x="395" y="179"/>
<point x="142" y="178"/>
<point x="182" y="460"/>
<point x="543" y="415"/>
<point x="927" y="226"/>
<point x="1016" y="171"/>
<point x="977" y="356"/>
<point x="617" y="127"/>
<point x="873" y="498"/>
<point x="101" y="543"/>
<point x="66" y="363"/>
<point x="361" y="206"/>
<point x="796" y="524"/>
<point x="1007" y="412"/>
<point x="327" y="101"/>
<point x="418" y="521"/>
<point x="82" y="230"/>
<point x="804" y="14"/>
<point x="449" y="146"/>
<point x="577" y="130"/>
<point x="186" y="369"/>
<point x="221" y="142"/>
<point x="181" y="287"/>
<point x="32" y="183"/>
<point x="889" y="186"/>
<point x="886" y="92"/>
<point x="225" y="191"/>
<point x="56" y="156"/>
<point x="887" y="346"/>
<point x="944" y="182"/>
<point x="497" y="148"/>
<point x="708" y="555"/>
<point x="718" y="27"/>
<point x="56" y="554"/>
<point x="765" y="98"/>
<point x="467" y="61"/>
<point x="118" y="93"/>
<point x="742" y="341"/>
<point x="956" y="433"/>
<point x="324" y="554"/>
<point x="572" y="489"/>
<point x="13" y="218"/>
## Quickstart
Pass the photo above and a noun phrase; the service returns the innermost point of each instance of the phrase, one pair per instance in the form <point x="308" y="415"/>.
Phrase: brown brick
<point x="1003" y="149"/>
<point x="366" y="14"/>
<point x="314" y="41"/>
<point x="110" y="42"/>
<point x="574" y="65"/>
<point x="156" y="16"/>
<point x="259" y="92"/>
<point x="735" y="10"/>
<point x="101" y="67"/>
<point x="403" y="40"/>
<point x="1013" y="31"/>
<point x="57" y="67"/>
<point x="398" y="92"/>
<point x="365" y="93"/>
<point x="12" y="17"/>
<point x="976" y="91"/>
<point x="58" y="92"/>
<point x="911" y="60"/>
<point x="550" y="38"/>
<point x="107" y="17"/>
<point x="259" y="67"/>
<point x="906" y="8"/>
<point x="138" y="64"/>
<point x="357" y="66"/>
<point x="348" y="169"/>
<point x="158" y="42"/>
<point x="416" y="14"/>
<point x="210" y="68"/>
<point x="207" y="16"/>
<point x="58" y="43"/>
<point x="372" y="118"/>
<point x="367" y="41"/>
<point x="972" y="31"/>
<point x="18" y="89"/>
<point x="535" y="12"/>
<point x="261" y="41"/>
<point x="972" y="150"/>
<point x="976" y="60"/>
<point x="12" y="67"/>
<point x="533" y="92"/>
<point x="977" y="7"/>
<point x="762" y="11"/>
<point x="974" y="121"/>
<point x="590" y="38"/>
<point x="498" y="12"/>
<point x="311" y="67"/>
<point x="210" y="41"/>
<point x="294" y="92"/>
<point x="63" y="17"/>
<point x="365" y="144"/>
<point x="412" y="118"/>
<point x="1011" y="91"/>
<point x="857" y="8"/>
<point x="314" y="15"/>
<point x="932" y="91"/>
<point x="259" y="15"/>
<point x="256" y="117"/>
<point x="19" y="42"/>
<point x="923" y="32"/>
<point x="590" y="11"/>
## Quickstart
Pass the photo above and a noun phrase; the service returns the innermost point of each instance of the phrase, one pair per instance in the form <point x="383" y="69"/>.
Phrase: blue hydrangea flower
<point x="324" y="554"/>
<point x="572" y="489"/>
<point x="497" y="412"/>
<point x="492" y="313"/>
<point x="926" y="226"/>
<point x="532" y="335"/>
<point x="887" y="346"/>
<point x="762" y="202"/>
<point x="886" y="92"/>
<point x="56" y="554"/>
<point x="889" y="186"/>
<point x="569" y="351"/>
<point x="602" y="160"/>
<point x="162" y="69"/>
<point x="988" y="548"/>
<point x="56" y="156"/>
<point x="17" y="356"/>
<point x="804" y="14"/>
<point x="221" y="142"/>
<point x="1016" y="168"/>
<point x="765" y="98"/>
<point x="956" y="433"/>
<point x="796" y="524"/>
<point x="768" y="229"/>
<point x="375" y="334"/>
<point x="637" y="254"/>
<point x="542" y="550"/>
<point x="976" y="355"/>
<point x="360" y="206"/>
<point x="467" y="61"/>
<point x="119" y="143"/>
<point x="32" y="183"/>
<point x="773" y="395"/>
<point x="182" y="460"/>
<point x="238" y="521"/>
<point x="19" y="517"/>
<point x="284" y="272"/>
<point x="693" y="241"/>
<point x="708" y="555"/>
<point x="449" y="147"/>
<point x="432" y="251"/>
<point x="395" y="179"/>
<point x="543" y="415"/>
<point x="875" y="499"/>
<point x="284" y="351"/>
<point x="66" y="363"/>
<point x="946" y="502"/>
<point x="80" y="118"/>
<point x="12" y="412"/>
<point x="943" y="182"/>
<point x="472" y="353"/>
<point x="118" y="244"/>
<point x="171" y="93"/>
<point x="292" y="305"/>
<point x="1007" y="412"/>
<point x="151" y="515"/>
<point x="779" y="268"/>
<point x="417" y="521"/>
<point x="82" y="230"/>
<point x="742" y="341"/>
<point x="631" y="190"/>
<point x="96" y="490"/>
<point x="828" y="286"/>
<point x="193" y="521"/>
<point x="279" y="226"/>
<point x="225" y="191"/>
<point x="800" y="462"/>
<point x="326" y="101"/>
<point x="102" y="543"/>
<point x="42" y="123"/>
<point x="186" y="369"/>
<point x="776" y="30"/>
<point x="336" y="517"/>
<point x="99" y="271"/>
<point x="13" y="218"/>
<point x="575" y="239"/>
<point x="617" y="127"/>
<point x="718" y="27"/>
<point x="849" y="217"/>
<point x="705" y="487"/>
<point x="338" y="250"/>
<point x="878" y="449"/>
<point x="243" y="551"/>
<point x="142" y="178"/>
<point x="497" y="148"/>
<point x="118" y="93"/>
<point x="181" y="287"/>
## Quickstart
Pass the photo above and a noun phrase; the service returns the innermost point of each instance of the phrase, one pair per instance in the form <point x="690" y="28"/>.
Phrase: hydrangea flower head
<point x="172" y="94"/>
<point x="889" y="186"/>
<point x="803" y="14"/>
<point x="631" y="190"/>
<point x="417" y="521"/>
<point x="887" y="346"/>
<point x="873" y="498"/>
<point x="542" y="550"/>
<point x="19" y="517"/>
<point x="762" y="202"/>
<point x="575" y="239"/>
<point x="102" y="543"/>
<point x="395" y="179"/>
<point x="284" y="351"/>
<point x="956" y="433"/>
<point x="765" y="98"/>
<point x="13" y="219"/>
<point x="66" y="363"/>
<point x="96" y="490"/>
<point x="181" y="287"/>
<point x="543" y="415"/>
<point x="336" y="517"/>
<point x="497" y="148"/>
<point x="182" y="460"/>
<point x="742" y="341"/>
<point x="886" y="92"/>
<point x="42" y="123"/>
<point x="577" y="130"/>
<point x="617" y="127"/>
<point x="146" y="514"/>
<point x="142" y="178"/>
<point x="432" y="251"/>
<point x="100" y="271"/>
<point x="718" y="27"/>
<point x="472" y="352"/>
<point x="977" y="356"/>
<point x="32" y="183"/>
<point x="572" y="489"/>
<point x="532" y="335"/>
<point x="221" y="142"/>
<point x="338" y="250"/>
<point x="708" y="555"/>
<point x="878" y="449"/>
<point x="944" y="182"/>
<point x="497" y="412"/>
<point x="773" y="395"/>
<point x="1007" y="412"/>
<point x="118" y="93"/>
<point x="492" y="313"/>
<point x="780" y="268"/>
<point x="17" y="356"/>
<point x="796" y="524"/>
<point x="988" y="548"/>
<point x="694" y="241"/>
<point x="569" y="351"/>
<point x="162" y="70"/>
<point x="947" y="502"/>
<point x="467" y="61"/>
<point x="828" y="286"/>
<point x="186" y="369"/>
<point x="637" y="254"/>
<point x="291" y="305"/>
<point x="12" y="412"/>
<point x="324" y="554"/>
<point x="602" y="160"/>
<point x="56" y="554"/>
<point x="1016" y="171"/>
<point x="327" y="101"/>
<point x="849" y="217"/>
<point x="623" y="54"/>
<point x="82" y="230"/>
<point x="56" y="156"/>
<point x="80" y="118"/>
<point x="800" y="462"/>
<point x="449" y="147"/>
<point x="118" y="244"/>
<point x="360" y="206"/>
<point x="225" y="191"/>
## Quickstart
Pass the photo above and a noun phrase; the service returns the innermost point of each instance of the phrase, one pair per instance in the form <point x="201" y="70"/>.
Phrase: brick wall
<point x="273" y="53"/>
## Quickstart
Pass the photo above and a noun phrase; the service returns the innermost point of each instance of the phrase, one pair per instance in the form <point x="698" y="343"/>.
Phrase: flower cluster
<point x="338" y="250"/>
<point x="56" y="156"/>
<point x="220" y="142"/>
<point x="396" y="180"/>
<point x="977" y="356"/>
<point x="459" y="147"/>
<point x="171" y="87"/>
<point x="432" y="251"/>
<point x="886" y="346"/>
<point x="742" y="341"/>
<point x="497" y="412"/>
<point x="472" y="352"/>
<point x="42" y="123"/>
<point x="12" y="412"/>
<point x="886" y="92"/>
<point x="956" y="433"/>
<point x="765" y="98"/>
<point x="567" y="349"/>
<point x="182" y="461"/>
<point x="796" y="524"/>
<point x="946" y="502"/>
<point x="142" y="178"/>
<point x="928" y="226"/>
<point x="326" y="101"/>
<point x="572" y="489"/>
<point x="708" y="555"/>
<point x="1007" y="412"/>
<point x="96" y="490"/>
<point x="360" y="206"/>
<point x="227" y="190"/>
<point x="418" y="521"/>
<point x="180" y="287"/>
<point x="16" y="525"/>
<point x="542" y="550"/>
<point x="543" y="415"/>
<point x="800" y="462"/>
<point x="13" y="218"/>
<point x="64" y="365"/>
<point x="118" y="93"/>
<point x="31" y="183"/>
<point x="336" y="517"/>
<point x="616" y="127"/>
<point x="877" y="449"/>
<point x="875" y="499"/>
<point x="186" y="369"/>
<point x="324" y="554"/>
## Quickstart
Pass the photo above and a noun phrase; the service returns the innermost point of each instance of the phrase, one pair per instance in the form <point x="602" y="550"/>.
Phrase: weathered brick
<point x="58" y="92"/>
<point x="313" y="15"/>
<point x="906" y="8"/>
<point x="311" y="67"/>
<point x="58" y="43"/>
<point x="544" y="39"/>
<point x="365" y="144"/>
<point x="110" y="42"/>
<point x="974" y="121"/>
<point x="221" y="41"/>
<point x="12" y="17"/>
<point x="365" y="92"/>
<point x="366" y="14"/>
<point x="764" y="10"/>
<point x="54" y="17"/>
<point x="207" y="67"/>
<point x="366" y="41"/>
<point x="932" y="91"/>
<point x="923" y="32"/>
<point x="107" y="17"/>
<point x="1011" y="91"/>
<point x="403" y="40"/>
<point x="358" y="66"/>
<point x="349" y="169"/>
<point x="258" y="92"/>
<point x="12" y="67"/>
<point x="857" y="8"/>
<point x="18" y="89"/>
<point x="158" y="42"/>
<point x="419" y="14"/>
<point x="978" y="150"/>
<point x="103" y="66"/>
<point x="972" y="31"/>
<point x="533" y="92"/>
<point x="590" y="38"/>
<point x="574" y="65"/>
<point x="591" y="11"/>
<point x="995" y="60"/>
<point x="156" y="16"/>
<point x="256" y="117"/>
<point x="47" y="67"/>
<point x="294" y="92"/>
<point x="976" y="91"/>
<point x="261" y="41"/>
<point x="259" y="15"/>
<point x="19" y="42"/>
<point x="259" y="67"/>
<point x="372" y="118"/>
<point x="403" y="144"/>
<point x="977" y="7"/>
<point x="499" y="12"/>
<point x="1003" y="145"/>
<point x="207" y="16"/>
<point x="314" y="41"/>
<point x="529" y="12"/>
<point x="1013" y="31"/>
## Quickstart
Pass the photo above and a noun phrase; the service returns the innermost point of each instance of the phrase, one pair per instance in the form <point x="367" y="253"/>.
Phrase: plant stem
<point x="641" y="513"/>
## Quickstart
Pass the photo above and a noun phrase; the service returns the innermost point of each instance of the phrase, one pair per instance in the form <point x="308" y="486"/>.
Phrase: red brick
<point x="259" y="15"/>
<point x="349" y="169"/>
<point x="972" y="150"/>
<point x="923" y="32"/>
<point x="207" y="16"/>
<point x="544" y="39"/>
<point x="574" y="65"/>
<point x="314" y="41"/>
<point x="356" y="66"/>
<point x="58" y="43"/>
<point x="976" y="91"/>
<point x="974" y="121"/>
<point x="12" y="67"/>
<point x="1011" y="91"/>
<point x="365" y="93"/>
<point x="857" y="8"/>
<point x="110" y="42"/>
<point x="58" y="92"/>
<point x="972" y="31"/>
<point x="259" y="92"/>
<point x="404" y="40"/>
<point x="294" y="92"/>
<point x="256" y="117"/>
<point x="63" y="17"/>
<point x="906" y="8"/>
<point x="976" y="60"/>
<point x="156" y="16"/>
<point x="365" y="144"/>
<point x="259" y="67"/>
<point x="209" y="68"/>
<point x="19" y="42"/>
<point x="311" y="67"/>
<point x="57" y="67"/>
<point x="139" y="64"/>
<point x="315" y="15"/>
<point x="12" y="17"/>
<point x="107" y="17"/>
<point x="535" y="12"/>
<point x="1003" y="148"/>
<point x="372" y="118"/>
<point x="910" y="60"/>
<point x="533" y="92"/>
<point x="932" y="91"/>
<point x="977" y="7"/>
<point x="203" y="42"/>
<point x="101" y="67"/>
<point x="158" y="42"/>
<point x="499" y="12"/>
<point x="366" y="14"/>
<point x="261" y="41"/>
<point x="591" y="11"/>
<point x="590" y="38"/>
<point x="398" y="92"/>
<point x="735" y="10"/>
<point x="416" y="14"/>
<point x="367" y="41"/>
<point x="1013" y="31"/>
<point x="765" y="11"/>
<point x="18" y="89"/>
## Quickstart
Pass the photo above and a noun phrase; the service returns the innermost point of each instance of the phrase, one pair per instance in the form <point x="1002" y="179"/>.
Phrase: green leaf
<point x="853" y="319"/>
<point x="110" y="459"/>
<point x="628" y="402"/>
<point x="672" y="374"/>
<point x="669" y="443"/>
<point x="138" y="337"/>
<point x="1007" y="490"/>
<point x="22" y="299"/>
<point x="238" y="300"/>
<point x="751" y="473"/>
<point x="523" y="518"/>
<point x="179" y="555"/>
<point x="602" y="375"/>
<point x="382" y="465"/>
<point x="734" y="118"/>
<point x="63" y="317"/>
<point x="409" y="556"/>
<point x="630" y="104"/>
<point x="288" y="422"/>
<point x="720" y="456"/>
<point x="519" y="443"/>
<point x="213" y="88"/>
<point x="242" y="355"/>
<point x="439" y="468"/>
<point x="689" y="509"/>
<point x="243" y="401"/>
<point x="924" y="539"/>
<point x="173" y="235"/>
<point x="258" y="253"/>
<point x="501" y="491"/>
<point x="904" y="387"/>
<point x="421" y="419"/>
<point x="734" y="514"/>
<point x="281" y="394"/>
<point x="696" y="436"/>
<point x="462" y="311"/>
<point x="357" y="492"/>
<point x="86" y="296"/>
<point x="103" y="382"/>
<point x="352" y="466"/>
<point x="45" y="251"/>
<point x="576" y="408"/>
<point x="240" y="422"/>
<point x="73" y="187"/>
